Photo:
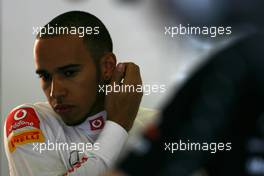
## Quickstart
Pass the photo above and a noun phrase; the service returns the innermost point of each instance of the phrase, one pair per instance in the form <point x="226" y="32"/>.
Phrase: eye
<point x="69" y="73"/>
<point x="45" y="77"/>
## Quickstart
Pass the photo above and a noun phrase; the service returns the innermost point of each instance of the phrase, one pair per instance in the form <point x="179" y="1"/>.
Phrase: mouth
<point x="63" y="108"/>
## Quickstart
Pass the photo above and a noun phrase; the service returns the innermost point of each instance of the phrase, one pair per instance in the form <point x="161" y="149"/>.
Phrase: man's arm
<point x="23" y="130"/>
<point x="122" y="108"/>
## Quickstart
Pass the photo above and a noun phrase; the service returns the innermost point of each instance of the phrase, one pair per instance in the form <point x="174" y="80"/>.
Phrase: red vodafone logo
<point x="20" y="118"/>
<point x="97" y="123"/>
<point x="20" y="114"/>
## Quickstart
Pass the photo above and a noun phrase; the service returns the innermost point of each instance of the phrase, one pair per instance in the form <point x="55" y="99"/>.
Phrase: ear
<point x="107" y="66"/>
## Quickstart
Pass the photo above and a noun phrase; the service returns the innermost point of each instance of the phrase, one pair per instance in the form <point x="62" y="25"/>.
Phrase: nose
<point x="58" y="90"/>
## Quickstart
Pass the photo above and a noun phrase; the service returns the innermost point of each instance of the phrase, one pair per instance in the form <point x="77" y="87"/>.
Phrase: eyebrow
<point x="59" y="69"/>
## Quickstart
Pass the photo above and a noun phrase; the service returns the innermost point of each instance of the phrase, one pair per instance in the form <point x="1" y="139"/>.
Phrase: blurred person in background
<point x="219" y="106"/>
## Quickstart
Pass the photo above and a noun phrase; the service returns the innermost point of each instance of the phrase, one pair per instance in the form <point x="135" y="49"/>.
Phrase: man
<point x="62" y="136"/>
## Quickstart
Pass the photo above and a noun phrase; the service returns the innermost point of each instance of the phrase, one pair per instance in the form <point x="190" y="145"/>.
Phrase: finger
<point x="118" y="74"/>
<point x="132" y="75"/>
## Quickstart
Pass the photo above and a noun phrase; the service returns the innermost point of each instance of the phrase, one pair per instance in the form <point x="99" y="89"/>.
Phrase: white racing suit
<point x="37" y="142"/>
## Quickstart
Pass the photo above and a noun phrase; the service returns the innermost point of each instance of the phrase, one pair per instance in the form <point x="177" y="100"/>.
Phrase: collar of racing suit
<point x="93" y="125"/>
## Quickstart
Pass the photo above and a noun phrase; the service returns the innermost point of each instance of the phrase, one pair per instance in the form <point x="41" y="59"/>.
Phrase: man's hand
<point x="122" y="106"/>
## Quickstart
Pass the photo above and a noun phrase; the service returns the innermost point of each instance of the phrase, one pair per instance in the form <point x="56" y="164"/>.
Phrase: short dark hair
<point x="97" y="44"/>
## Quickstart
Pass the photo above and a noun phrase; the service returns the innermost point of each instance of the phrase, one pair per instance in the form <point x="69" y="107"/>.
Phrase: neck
<point x="98" y="106"/>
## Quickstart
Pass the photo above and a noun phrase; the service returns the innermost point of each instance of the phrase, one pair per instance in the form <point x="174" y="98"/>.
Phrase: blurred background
<point x="137" y="30"/>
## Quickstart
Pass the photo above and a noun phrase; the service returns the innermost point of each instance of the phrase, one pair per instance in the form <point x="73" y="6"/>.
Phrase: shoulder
<point x="22" y="126"/>
<point x="29" y="123"/>
<point x="22" y="117"/>
<point x="29" y="117"/>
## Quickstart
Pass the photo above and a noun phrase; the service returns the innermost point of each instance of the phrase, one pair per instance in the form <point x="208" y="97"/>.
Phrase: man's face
<point x="68" y="76"/>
